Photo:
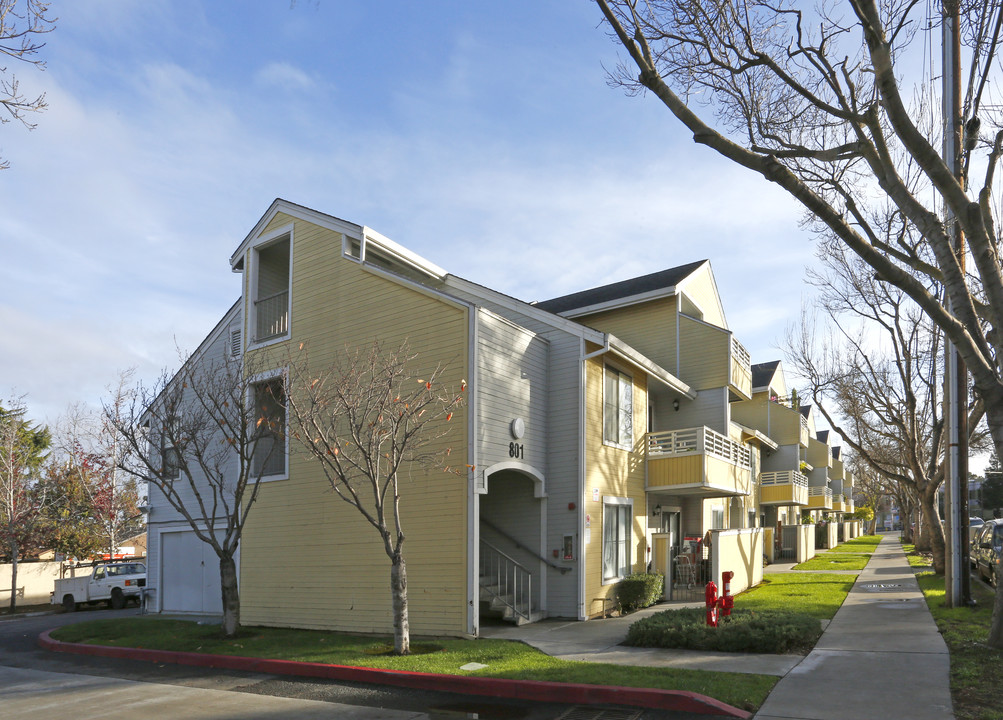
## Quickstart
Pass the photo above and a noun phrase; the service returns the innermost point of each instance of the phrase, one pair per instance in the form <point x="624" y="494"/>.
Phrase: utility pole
<point x="958" y="579"/>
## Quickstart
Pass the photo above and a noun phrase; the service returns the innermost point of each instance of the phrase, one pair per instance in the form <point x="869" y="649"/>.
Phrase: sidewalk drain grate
<point x="580" y="712"/>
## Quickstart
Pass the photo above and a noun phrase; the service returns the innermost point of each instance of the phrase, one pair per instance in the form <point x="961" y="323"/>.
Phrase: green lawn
<point x="976" y="690"/>
<point x="833" y="560"/>
<point x="815" y="594"/>
<point x="861" y="544"/>
<point x="504" y="659"/>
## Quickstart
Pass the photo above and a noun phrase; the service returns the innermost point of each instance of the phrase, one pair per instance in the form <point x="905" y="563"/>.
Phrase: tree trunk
<point x="923" y="540"/>
<point x="231" y="596"/>
<point x="13" y="576"/>
<point x="934" y="527"/>
<point x="398" y="587"/>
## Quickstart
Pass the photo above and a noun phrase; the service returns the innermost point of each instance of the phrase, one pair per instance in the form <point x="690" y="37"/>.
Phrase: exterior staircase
<point x="506" y="587"/>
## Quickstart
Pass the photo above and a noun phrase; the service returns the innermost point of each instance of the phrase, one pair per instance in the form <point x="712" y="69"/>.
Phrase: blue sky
<point x="482" y="136"/>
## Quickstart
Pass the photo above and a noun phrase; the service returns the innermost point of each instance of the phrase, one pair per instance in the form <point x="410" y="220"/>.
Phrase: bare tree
<point x="22" y="497"/>
<point x="811" y="99"/>
<point x="90" y="445"/>
<point x="874" y="373"/>
<point x="21" y="24"/>
<point x="203" y="438"/>
<point x="367" y="419"/>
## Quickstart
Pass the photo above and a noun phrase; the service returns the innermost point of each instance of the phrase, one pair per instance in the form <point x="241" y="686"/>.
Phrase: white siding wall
<point x="563" y="432"/>
<point x="162" y="516"/>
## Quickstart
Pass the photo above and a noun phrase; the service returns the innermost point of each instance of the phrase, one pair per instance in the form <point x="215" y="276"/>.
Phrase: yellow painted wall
<point x="309" y="559"/>
<point x="612" y="471"/>
<point x="649" y="328"/>
<point x="705" y="354"/>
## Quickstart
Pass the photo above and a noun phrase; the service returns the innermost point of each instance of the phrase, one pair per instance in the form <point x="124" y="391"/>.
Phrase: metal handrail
<point x="272" y="315"/>
<point x="520" y="546"/>
<point x="513" y="584"/>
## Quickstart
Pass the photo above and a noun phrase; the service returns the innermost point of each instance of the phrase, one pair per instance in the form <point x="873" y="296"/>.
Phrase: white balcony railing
<point x="699" y="440"/>
<point x="815" y="491"/>
<point x="783" y="477"/>
<point x="740" y="354"/>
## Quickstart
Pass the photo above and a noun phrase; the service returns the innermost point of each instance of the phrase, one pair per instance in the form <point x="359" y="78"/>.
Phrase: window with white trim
<point x="269" y="452"/>
<point x="618" y="408"/>
<point x="269" y="289"/>
<point x="617" y="517"/>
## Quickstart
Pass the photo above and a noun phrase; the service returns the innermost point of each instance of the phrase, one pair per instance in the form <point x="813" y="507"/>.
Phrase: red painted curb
<point x="494" y="687"/>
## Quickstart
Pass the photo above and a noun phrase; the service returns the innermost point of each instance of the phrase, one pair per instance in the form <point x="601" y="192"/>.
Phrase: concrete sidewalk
<point x="881" y="656"/>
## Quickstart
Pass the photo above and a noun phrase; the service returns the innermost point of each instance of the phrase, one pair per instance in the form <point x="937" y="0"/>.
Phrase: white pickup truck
<point x="114" y="583"/>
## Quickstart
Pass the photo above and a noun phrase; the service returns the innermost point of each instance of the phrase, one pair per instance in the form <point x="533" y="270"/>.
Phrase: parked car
<point x="974" y="526"/>
<point x="990" y="544"/>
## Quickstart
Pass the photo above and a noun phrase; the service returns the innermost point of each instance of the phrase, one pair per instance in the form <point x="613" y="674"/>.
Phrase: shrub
<point x="639" y="590"/>
<point x="764" y="631"/>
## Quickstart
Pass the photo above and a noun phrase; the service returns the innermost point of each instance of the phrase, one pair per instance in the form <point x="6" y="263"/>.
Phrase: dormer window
<point x="270" y="289"/>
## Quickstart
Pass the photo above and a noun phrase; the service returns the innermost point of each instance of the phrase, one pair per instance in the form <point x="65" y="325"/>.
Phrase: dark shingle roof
<point x="618" y="290"/>
<point x="805" y="409"/>
<point x="762" y="373"/>
<point x="822" y="435"/>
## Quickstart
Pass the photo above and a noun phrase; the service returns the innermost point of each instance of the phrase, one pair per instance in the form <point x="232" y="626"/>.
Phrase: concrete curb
<point x="569" y="693"/>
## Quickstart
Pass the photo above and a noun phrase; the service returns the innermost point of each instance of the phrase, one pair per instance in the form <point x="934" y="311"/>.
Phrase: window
<point x="269" y="451"/>
<point x="618" y="408"/>
<point x="717" y="517"/>
<point x="269" y="289"/>
<point x="617" y="515"/>
<point x="170" y="461"/>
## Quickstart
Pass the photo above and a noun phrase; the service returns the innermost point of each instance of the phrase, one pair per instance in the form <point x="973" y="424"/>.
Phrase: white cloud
<point x="284" y="76"/>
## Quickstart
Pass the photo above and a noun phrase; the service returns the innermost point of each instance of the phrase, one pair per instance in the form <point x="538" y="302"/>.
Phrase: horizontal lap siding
<point x="705" y="353"/>
<point x="613" y="472"/>
<point x="562" y="466"/>
<point x="311" y="560"/>
<point x="649" y="328"/>
<point x="512" y="383"/>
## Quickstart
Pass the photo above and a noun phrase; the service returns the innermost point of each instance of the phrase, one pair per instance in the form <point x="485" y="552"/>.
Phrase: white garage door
<point x="190" y="572"/>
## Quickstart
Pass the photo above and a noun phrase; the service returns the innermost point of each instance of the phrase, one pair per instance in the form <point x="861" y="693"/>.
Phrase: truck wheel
<point x="68" y="604"/>
<point x="117" y="599"/>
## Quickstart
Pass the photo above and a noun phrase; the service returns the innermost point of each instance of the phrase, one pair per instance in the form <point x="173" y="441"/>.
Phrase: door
<point x="189" y="575"/>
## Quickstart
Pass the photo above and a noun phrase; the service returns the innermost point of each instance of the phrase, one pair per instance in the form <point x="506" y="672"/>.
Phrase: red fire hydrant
<point x="726" y="601"/>
<point x="710" y="599"/>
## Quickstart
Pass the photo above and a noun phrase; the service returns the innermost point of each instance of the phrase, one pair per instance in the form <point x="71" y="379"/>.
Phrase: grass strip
<point x="835" y="561"/>
<point x="505" y="659"/>
<point x="861" y="543"/>
<point x="817" y="594"/>
<point x="976" y="691"/>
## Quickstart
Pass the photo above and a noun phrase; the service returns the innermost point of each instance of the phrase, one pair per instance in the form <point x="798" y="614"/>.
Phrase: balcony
<point x="838" y="505"/>
<point x="819" y="498"/>
<point x="786" y="487"/>
<point x="272" y="316"/>
<point x="697" y="461"/>
<point x="741" y="368"/>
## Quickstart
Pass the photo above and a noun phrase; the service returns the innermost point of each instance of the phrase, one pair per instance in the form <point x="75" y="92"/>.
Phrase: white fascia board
<point x="297" y="211"/>
<point x="224" y="322"/>
<point x="620" y="302"/>
<point x="402" y="253"/>
<point x="510" y="303"/>
<point x="626" y="352"/>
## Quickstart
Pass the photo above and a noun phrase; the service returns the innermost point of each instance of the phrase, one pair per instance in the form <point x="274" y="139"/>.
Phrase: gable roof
<point x="822" y="436"/>
<point x="762" y="373"/>
<point x="660" y="282"/>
